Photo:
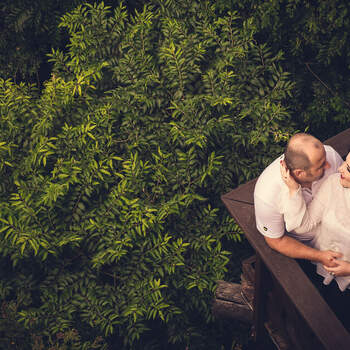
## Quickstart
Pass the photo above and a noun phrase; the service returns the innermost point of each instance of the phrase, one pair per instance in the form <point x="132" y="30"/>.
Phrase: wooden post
<point x="260" y="297"/>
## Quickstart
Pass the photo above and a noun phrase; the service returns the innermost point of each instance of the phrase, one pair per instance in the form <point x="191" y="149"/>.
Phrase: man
<point x="310" y="163"/>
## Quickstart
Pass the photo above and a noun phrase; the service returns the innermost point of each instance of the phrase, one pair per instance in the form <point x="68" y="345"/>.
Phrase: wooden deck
<point x="284" y="295"/>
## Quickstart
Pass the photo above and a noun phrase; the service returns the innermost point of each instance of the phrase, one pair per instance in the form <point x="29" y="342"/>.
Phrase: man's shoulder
<point x="269" y="182"/>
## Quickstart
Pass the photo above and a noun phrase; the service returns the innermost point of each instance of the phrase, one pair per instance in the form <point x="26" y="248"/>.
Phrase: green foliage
<point x="314" y="36"/>
<point x="111" y="174"/>
<point x="28" y="30"/>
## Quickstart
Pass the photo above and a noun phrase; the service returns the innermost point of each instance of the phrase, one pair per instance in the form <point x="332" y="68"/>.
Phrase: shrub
<point x="314" y="36"/>
<point x="111" y="223"/>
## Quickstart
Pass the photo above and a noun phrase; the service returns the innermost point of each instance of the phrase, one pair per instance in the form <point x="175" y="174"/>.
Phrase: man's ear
<point x="298" y="172"/>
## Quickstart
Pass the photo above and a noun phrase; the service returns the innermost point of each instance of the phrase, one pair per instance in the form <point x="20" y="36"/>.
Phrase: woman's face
<point x="344" y="170"/>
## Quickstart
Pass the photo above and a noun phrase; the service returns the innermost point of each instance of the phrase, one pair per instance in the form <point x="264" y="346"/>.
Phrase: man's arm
<point x="289" y="246"/>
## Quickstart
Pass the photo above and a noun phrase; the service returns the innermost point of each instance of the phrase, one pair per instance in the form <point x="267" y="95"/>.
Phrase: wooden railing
<point x="283" y="295"/>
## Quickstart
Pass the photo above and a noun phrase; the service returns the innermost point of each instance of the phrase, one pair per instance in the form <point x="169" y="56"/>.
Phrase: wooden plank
<point x="243" y="194"/>
<point x="340" y="142"/>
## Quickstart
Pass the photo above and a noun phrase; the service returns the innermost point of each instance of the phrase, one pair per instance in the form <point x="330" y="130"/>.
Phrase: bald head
<point x="298" y="150"/>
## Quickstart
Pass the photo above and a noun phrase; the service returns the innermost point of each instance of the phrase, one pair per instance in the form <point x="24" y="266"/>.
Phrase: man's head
<point x="305" y="157"/>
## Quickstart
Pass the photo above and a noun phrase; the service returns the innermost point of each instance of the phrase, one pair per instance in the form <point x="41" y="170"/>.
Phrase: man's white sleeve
<point x="269" y="221"/>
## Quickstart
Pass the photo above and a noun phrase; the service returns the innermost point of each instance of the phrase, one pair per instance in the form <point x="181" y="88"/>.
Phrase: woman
<point x="328" y="215"/>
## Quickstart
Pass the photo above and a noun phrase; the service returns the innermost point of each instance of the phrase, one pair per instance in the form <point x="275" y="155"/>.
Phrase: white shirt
<point x="328" y="215"/>
<point x="267" y="197"/>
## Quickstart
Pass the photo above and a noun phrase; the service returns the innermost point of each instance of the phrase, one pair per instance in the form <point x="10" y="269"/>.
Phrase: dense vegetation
<point x="314" y="37"/>
<point x="111" y="229"/>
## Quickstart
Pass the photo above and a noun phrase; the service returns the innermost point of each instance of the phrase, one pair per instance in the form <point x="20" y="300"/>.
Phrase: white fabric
<point x="328" y="216"/>
<point x="267" y="197"/>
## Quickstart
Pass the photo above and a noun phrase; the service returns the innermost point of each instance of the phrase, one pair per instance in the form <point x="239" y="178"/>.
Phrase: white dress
<point x="328" y="216"/>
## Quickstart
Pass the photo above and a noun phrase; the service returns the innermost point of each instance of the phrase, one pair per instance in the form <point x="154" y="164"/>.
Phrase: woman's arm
<point x="297" y="216"/>
<point x="342" y="269"/>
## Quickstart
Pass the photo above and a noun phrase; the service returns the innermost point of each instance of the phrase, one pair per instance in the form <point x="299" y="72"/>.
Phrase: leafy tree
<point x="314" y="36"/>
<point x="111" y="224"/>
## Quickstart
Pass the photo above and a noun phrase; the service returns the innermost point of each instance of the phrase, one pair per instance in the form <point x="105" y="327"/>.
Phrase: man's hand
<point x="328" y="258"/>
<point x="342" y="268"/>
<point x="289" y="246"/>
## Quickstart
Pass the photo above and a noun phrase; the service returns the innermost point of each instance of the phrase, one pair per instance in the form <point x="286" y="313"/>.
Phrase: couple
<point x="307" y="192"/>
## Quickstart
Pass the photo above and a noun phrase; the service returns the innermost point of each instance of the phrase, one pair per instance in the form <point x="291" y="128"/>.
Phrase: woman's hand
<point x="342" y="269"/>
<point x="287" y="178"/>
